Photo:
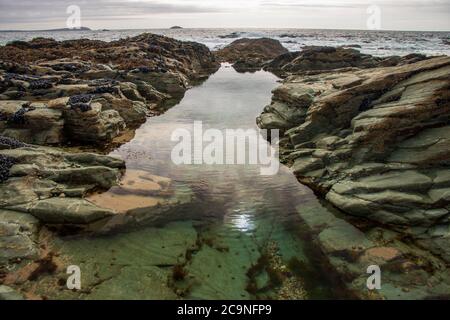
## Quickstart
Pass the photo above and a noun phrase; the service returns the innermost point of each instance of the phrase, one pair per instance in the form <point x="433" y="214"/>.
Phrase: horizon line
<point x="215" y="28"/>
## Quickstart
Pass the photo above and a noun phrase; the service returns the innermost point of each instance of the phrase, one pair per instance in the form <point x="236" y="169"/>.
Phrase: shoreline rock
<point x="315" y="59"/>
<point x="89" y="92"/>
<point x="373" y="142"/>
<point x="349" y="248"/>
<point x="250" y="54"/>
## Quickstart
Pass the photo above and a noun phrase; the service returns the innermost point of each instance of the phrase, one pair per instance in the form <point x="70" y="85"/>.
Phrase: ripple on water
<point x="234" y="242"/>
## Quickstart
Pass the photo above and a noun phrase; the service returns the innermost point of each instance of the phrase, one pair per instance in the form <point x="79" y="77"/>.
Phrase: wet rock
<point x="251" y="54"/>
<point x="279" y="62"/>
<point x="408" y="271"/>
<point x="65" y="211"/>
<point x="138" y="271"/>
<point x="138" y="74"/>
<point x="31" y="123"/>
<point x="50" y="185"/>
<point x="5" y="165"/>
<point x="17" y="236"/>
<point x="343" y="238"/>
<point x="328" y="58"/>
<point x="88" y="123"/>
<point x="315" y="59"/>
<point x="9" y="143"/>
<point x="143" y="198"/>
<point x="8" y="293"/>
<point x="373" y="142"/>
<point x="232" y="35"/>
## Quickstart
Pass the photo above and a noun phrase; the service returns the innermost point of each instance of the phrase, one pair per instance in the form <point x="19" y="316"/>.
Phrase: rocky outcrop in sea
<point x="251" y="54"/>
<point x="317" y="58"/>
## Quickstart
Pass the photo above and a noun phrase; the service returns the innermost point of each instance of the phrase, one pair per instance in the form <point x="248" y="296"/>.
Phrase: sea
<point x="377" y="43"/>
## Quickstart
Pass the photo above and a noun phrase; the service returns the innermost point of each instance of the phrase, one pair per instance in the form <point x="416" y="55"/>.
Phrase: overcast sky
<point x="130" y="14"/>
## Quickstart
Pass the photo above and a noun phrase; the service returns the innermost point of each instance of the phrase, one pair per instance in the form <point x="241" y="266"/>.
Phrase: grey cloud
<point x="33" y="11"/>
<point x="53" y="12"/>
<point x="357" y="3"/>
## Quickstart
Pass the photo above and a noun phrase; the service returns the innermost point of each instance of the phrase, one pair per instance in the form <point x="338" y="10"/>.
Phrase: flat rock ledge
<point x="83" y="191"/>
<point x="375" y="143"/>
<point x="408" y="272"/>
<point x="47" y="187"/>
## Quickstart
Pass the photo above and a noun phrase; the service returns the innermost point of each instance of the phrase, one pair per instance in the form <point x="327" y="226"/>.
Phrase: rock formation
<point x="374" y="142"/>
<point x="87" y="91"/>
<point x="316" y="58"/>
<point x="250" y="54"/>
<point x="46" y="187"/>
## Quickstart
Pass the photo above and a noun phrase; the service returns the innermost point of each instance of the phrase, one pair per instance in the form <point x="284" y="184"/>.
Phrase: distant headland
<point x="50" y="30"/>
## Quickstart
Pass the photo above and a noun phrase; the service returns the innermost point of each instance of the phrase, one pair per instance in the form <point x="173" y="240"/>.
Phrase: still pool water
<point x="243" y="239"/>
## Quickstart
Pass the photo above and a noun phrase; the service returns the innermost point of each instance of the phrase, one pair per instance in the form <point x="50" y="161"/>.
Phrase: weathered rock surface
<point x="251" y="54"/>
<point x="8" y="293"/>
<point x="407" y="270"/>
<point x="50" y="184"/>
<point x="45" y="186"/>
<point x="87" y="91"/>
<point x="17" y="235"/>
<point x="140" y="269"/>
<point x="316" y="58"/>
<point x="374" y="142"/>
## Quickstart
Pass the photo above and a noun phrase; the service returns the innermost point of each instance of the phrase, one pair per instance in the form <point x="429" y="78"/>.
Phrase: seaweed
<point x="46" y="265"/>
<point x="83" y="107"/>
<point x="144" y="69"/>
<point x="19" y="116"/>
<point x="40" y="84"/>
<point x="80" y="98"/>
<point x="5" y="165"/>
<point x="10" y="143"/>
<point x="81" y="102"/>
<point x="104" y="89"/>
<point x="178" y="272"/>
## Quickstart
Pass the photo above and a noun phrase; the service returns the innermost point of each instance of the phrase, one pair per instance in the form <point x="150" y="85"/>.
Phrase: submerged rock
<point x="374" y="142"/>
<point x="141" y="198"/>
<point x="407" y="271"/>
<point x="46" y="187"/>
<point x="137" y="265"/>
<point x="7" y="293"/>
<point x="17" y="235"/>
